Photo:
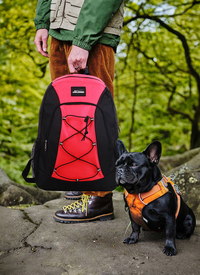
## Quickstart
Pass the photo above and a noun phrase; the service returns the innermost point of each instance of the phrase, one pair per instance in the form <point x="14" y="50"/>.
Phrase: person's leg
<point x="57" y="58"/>
<point x="101" y="63"/>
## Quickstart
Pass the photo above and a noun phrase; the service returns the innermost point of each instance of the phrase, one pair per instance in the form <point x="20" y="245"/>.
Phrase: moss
<point x="20" y="206"/>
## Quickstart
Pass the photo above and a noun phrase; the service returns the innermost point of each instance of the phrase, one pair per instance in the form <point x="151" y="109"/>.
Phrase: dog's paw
<point x="169" y="251"/>
<point x="131" y="240"/>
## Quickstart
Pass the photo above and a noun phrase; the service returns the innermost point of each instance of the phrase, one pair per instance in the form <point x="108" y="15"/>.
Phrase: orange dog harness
<point x="136" y="202"/>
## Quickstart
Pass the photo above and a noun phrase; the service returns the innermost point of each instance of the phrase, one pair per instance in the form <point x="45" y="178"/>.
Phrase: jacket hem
<point x="66" y="35"/>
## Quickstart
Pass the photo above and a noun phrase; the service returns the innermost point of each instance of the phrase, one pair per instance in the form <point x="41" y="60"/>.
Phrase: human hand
<point x="77" y="59"/>
<point x="40" y="41"/>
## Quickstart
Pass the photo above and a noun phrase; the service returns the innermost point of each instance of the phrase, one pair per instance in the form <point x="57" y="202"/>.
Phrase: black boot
<point x="89" y="208"/>
<point x="73" y="195"/>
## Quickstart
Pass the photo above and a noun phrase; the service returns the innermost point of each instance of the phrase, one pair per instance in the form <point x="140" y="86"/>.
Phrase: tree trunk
<point x="195" y="135"/>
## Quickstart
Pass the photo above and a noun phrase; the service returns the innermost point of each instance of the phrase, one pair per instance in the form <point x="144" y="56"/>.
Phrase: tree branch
<point x="182" y="38"/>
<point x="141" y="7"/>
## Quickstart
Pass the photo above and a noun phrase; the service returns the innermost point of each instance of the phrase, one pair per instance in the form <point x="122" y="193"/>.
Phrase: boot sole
<point x="104" y="217"/>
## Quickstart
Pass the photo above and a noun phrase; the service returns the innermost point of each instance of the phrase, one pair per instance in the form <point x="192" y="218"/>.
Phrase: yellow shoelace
<point x="83" y="203"/>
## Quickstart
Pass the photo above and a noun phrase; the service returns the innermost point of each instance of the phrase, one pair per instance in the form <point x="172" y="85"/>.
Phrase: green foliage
<point x="156" y="83"/>
<point x="21" y="90"/>
<point x="157" y="93"/>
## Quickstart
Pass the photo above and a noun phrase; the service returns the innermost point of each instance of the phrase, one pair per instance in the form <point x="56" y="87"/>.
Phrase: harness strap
<point x="146" y="195"/>
<point x="175" y="187"/>
<point x="157" y="188"/>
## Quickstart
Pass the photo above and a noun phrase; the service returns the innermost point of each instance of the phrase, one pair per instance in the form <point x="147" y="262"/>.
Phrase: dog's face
<point x="137" y="172"/>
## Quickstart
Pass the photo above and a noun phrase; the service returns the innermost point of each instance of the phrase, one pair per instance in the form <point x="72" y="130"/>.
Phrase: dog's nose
<point x="122" y="181"/>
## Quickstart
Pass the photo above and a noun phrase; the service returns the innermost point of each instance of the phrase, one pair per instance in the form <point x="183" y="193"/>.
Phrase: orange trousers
<point x="101" y="63"/>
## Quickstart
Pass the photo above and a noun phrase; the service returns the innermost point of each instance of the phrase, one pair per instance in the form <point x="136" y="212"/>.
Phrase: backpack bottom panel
<point x="47" y="182"/>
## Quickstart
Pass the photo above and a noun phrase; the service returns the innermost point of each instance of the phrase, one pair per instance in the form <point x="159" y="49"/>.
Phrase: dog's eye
<point x="134" y="164"/>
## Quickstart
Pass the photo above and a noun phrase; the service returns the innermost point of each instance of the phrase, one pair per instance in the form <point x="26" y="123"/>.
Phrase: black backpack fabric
<point x="77" y="134"/>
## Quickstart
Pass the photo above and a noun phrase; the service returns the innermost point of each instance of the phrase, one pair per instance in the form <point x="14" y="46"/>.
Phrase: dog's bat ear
<point x="153" y="152"/>
<point x="119" y="149"/>
<point x="120" y="160"/>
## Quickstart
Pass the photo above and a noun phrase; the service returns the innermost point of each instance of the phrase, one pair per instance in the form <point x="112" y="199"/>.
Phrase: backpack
<point x="77" y="134"/>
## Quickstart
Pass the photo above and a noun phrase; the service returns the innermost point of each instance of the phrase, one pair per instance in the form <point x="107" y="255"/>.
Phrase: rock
<point x="31" y="242"/>
<point x="12" y="193"/>
<point x="40" y="195"/>
<point x="169" y="162"/>
<point x="187" y="177"/>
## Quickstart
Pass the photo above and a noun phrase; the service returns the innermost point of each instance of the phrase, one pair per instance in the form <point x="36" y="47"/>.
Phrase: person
<point x="83" y="33"/>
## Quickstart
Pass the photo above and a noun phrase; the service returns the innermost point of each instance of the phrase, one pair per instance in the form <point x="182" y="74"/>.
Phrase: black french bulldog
<point x="138" y="173"/>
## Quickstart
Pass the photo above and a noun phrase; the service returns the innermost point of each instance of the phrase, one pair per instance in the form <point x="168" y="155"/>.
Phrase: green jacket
<point x="93" y="18"/>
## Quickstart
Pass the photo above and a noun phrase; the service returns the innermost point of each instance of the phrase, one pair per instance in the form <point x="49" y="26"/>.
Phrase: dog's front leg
<point x="134" y="237"/>
<point x="170" y="248"/>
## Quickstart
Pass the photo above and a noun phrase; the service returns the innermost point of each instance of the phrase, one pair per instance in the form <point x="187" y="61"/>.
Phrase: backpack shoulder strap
<point x="26" y="172"/>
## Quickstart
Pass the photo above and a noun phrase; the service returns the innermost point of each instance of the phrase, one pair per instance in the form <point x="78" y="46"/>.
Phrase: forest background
<point x="157" y="79"/>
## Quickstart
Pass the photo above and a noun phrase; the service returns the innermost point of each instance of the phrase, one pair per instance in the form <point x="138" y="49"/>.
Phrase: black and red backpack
<point x="77" y="133"/>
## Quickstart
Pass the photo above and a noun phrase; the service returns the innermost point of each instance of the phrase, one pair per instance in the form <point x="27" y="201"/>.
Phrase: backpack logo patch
<point x="78" y="91"/>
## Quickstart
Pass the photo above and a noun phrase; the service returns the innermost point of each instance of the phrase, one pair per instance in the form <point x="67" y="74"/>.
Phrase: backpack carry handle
<point x="26" y="172"/>
<point x="85" y="71"/>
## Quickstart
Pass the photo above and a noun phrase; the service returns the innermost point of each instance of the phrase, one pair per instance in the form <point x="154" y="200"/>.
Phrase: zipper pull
<point x="45" y="145"/>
